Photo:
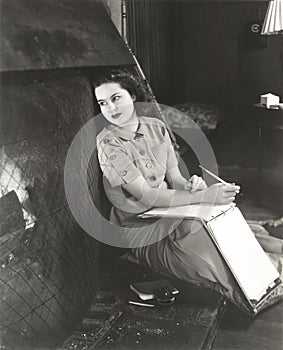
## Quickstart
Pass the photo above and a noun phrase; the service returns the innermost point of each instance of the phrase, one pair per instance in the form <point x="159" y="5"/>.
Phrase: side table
<point x="266" y="118"/>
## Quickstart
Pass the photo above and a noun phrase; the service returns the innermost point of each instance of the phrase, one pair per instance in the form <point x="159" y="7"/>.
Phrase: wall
<point x="204" y="51"/>
<point x="224" y="62"/>
<point x="114" y="7"/>
<point x="154" y="33"/>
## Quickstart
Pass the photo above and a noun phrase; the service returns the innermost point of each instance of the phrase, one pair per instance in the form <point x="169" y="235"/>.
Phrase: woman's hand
<point x="195" y="183"/>
<point x="220" y="193"/>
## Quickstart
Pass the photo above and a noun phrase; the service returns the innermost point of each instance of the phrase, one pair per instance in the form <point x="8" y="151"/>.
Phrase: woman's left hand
<point x="195" y="183"/>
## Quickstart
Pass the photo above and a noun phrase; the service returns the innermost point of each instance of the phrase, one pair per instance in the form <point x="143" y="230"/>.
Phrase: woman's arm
<point x="176" y="181"/>
<point x="174" y="177"/>
<point x="156" y="197"/>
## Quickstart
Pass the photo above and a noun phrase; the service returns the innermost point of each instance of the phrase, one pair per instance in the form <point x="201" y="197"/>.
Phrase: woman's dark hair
<point x="133" y="84"/>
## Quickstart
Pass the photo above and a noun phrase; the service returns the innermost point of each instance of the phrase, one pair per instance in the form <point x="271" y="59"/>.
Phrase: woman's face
<point x="116" y="103"/>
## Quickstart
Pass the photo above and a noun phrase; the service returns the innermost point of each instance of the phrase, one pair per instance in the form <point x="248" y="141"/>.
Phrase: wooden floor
<point x="190" y="323"/>
<point x="199" y="319"/>
<point x="239" y="332"/>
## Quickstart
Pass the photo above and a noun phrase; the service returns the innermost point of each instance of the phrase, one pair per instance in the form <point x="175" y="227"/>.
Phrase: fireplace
<point x="49" y="265"/>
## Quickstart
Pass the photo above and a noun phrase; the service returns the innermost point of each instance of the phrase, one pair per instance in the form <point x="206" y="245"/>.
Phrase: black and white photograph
<point x="141" y="193"/>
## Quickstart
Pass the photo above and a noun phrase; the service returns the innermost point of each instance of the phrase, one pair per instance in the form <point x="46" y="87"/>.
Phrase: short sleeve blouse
<point x="124" y="156"/>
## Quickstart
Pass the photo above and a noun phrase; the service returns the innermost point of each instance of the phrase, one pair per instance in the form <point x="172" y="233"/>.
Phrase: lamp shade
<point x="273" y="22"/>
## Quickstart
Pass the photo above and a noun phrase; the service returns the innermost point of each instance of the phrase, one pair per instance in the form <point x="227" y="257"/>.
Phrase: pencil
<point x="214" y="176"/>
<point x="140" y="304"/>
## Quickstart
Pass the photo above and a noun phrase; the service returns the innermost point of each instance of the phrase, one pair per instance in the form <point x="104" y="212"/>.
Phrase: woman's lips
<point x="115" y="116"/>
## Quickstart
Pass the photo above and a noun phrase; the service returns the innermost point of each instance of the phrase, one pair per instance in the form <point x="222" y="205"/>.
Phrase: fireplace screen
<point x="49" y="265"/>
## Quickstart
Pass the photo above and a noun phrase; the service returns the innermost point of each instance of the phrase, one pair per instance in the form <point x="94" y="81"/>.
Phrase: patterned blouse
<point x="124" y="156"/>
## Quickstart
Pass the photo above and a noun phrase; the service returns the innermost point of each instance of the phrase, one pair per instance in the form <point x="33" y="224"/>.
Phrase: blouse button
<point x="123" y="173"/>
<point x="106" y="141"/>
<point x="148" y="165"/>
<point x="142" y="152"/>
<point x="152" y="178"/>
<point x="137" y="138"/>
<point x="112" y="157"/>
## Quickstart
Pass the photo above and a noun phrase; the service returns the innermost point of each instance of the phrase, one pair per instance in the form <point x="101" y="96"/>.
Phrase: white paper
<point x="269" y="100"/>
<point x="202" y="211"/>
<point x="248" y="262"/>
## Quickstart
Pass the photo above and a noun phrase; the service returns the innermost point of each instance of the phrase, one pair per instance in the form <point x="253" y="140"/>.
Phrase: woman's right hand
<point x="220" y="193"/>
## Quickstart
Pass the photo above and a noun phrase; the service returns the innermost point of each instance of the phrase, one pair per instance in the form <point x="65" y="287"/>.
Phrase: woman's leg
<point x="269" y="244"/>
<point x="189" y="254"/>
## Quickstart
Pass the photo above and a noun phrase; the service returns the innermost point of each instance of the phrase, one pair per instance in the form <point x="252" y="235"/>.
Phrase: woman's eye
<point x="102" y="103"/>
<point x="116" y="98"/>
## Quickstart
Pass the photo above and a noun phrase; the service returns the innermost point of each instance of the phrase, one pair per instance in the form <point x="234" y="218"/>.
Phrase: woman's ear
<point x="134" y="97"/>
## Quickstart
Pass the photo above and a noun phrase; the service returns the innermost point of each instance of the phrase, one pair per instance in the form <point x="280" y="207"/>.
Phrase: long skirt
<point x="190" y="255"/>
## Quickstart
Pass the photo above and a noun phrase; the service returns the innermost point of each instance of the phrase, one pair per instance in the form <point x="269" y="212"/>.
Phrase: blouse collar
<point x="125" y="134"/>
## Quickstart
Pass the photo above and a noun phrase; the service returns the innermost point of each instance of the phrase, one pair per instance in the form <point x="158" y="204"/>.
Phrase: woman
<point x="141" y="171"/>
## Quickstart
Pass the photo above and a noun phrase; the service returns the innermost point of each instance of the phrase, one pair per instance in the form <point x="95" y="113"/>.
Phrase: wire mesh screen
<point x="49" y="265"/>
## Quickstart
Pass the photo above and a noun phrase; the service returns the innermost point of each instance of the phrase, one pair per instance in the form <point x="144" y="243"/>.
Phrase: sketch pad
<point x="197" y="211"/>
<point x="251" y="267"/>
